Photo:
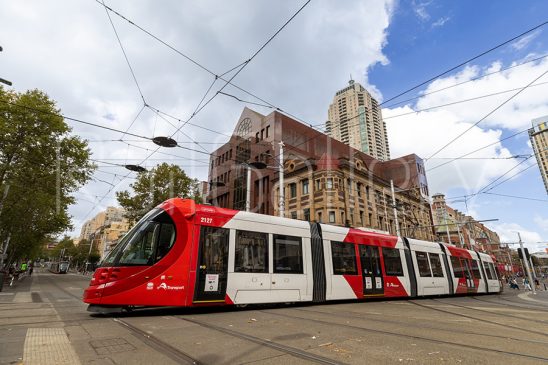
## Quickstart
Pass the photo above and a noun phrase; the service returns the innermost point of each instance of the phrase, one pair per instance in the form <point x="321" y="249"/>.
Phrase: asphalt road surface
<point x="43" y="321"/>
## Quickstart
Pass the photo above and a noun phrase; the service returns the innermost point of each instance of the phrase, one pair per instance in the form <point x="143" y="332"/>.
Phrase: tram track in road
<point x="358" y="315"/>
<point x="479" y="319"/>
<point x="514" y="304"/>
<point x="413" y="337"/>
<point x="491" y="313"/>
<point x="266" y="343"/>
<point x="157" y="344"/>
<point x="149" y="340"/>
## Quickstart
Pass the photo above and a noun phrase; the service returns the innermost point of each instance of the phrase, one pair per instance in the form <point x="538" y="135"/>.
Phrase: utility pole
<point x="398" y="233"/>
<point x="525" y="261"/>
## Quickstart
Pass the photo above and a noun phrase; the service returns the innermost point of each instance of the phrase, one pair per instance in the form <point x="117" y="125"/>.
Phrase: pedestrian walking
<point x="526" y="284"/>
<point x="514" y="284"/>
<point x="31" y="269"/>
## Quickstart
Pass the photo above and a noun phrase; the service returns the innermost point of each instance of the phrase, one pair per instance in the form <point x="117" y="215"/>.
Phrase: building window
<point x="267" y="129"/>
<point x="361" y="218"/>
<point x="392" y="262"/>
<point x="251" y="252"/>
<point x="329" y="183"/>
<point x="344" y="258"/>
<point x="288" y="255"/>
<point x="305" y="186"/>
<point x="292" y="190"/>
<point x="306" y="214"/>
<point x="318" y="185"/>
<point x="349" y="186"/>
<point x="320" y="217"/>
<point x="293" y="215"/>
<point x="331" y="217"/>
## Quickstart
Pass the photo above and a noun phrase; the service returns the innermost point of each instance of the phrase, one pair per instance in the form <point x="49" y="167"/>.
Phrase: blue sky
<point x="69" y="50"/>
<point x="429" y="37"/>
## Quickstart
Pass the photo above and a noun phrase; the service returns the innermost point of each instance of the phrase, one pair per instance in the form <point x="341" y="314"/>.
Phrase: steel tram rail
<point x="358" y="315"/>
<point x="414" y="337"/>
<point x="480" y="319"/>
<point x="491" y="313"/>
<point x="267" y="343"/>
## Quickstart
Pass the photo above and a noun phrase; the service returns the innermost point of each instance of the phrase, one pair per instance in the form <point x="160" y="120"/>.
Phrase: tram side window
<point x="422" y="262"/>
<point x="475" y="269"/>
<point x="166" y="239"/>
<point x="344" y="258"/>
<point x="392" y="262"/>
<point x="488" y="270"/>
<point x="251" y="252"/>
<point x="140" y="249"/>
<point x="457" y="267"/>
<point x="435" y="261"/>
<point x="493" y="270"/>
<point x="288" y="255"/>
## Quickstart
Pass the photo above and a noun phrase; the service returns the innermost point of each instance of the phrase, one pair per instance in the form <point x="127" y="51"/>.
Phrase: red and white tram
<point x="184" y="254"/>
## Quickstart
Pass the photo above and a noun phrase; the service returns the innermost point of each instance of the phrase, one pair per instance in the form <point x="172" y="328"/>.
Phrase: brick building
<point x="325" y="180"/>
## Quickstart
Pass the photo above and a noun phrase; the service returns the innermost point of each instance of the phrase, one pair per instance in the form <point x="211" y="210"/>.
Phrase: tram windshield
<point x="146" y="243"/>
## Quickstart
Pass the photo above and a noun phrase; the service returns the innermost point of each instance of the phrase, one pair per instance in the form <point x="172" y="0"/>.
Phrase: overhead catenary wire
<point x="198" y="64"/>
<point x="204" y="105"/>
<point x="486" y="115"/>
<point x="517" y="197"/>
<point x="467" y="81"/>
<point x="467" y="61"/>
<point x="477" y="150"/>
<point x="125" y="55"/>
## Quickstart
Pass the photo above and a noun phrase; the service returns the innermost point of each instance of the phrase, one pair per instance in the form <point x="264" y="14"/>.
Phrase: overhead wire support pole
<point x="526" y="263"/>
<point x="281" y="179"/>
<point x="398" y="233"/>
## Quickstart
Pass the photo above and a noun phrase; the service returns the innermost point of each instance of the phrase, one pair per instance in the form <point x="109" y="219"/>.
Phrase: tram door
<point x="212" y="266"/>
<point x="373" y="283"/>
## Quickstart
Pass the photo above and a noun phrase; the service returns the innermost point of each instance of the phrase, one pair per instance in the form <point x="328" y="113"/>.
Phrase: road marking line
<point x="22" y="297"/>
<point x="48" y="346"/>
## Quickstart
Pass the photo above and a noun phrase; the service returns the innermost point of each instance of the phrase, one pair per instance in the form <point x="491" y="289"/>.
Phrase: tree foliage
<point x="41" y="165"/>
<point x="152" y="187"/>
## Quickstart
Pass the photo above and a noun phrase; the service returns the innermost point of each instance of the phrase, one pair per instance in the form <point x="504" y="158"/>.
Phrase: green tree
<point x="152" y="187"/>
<point x="64" y="248"/>
<point x="41" y="165"/>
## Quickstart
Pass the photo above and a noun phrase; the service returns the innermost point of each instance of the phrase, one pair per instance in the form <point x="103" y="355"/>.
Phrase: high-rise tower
<point x="355" y="118"/>
<point x="539" y="140"/>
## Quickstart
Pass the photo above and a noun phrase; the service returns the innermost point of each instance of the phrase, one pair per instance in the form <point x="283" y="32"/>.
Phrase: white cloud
<point x="541" y="222"/>
<point x="76" y="59"/>
<point x="440" y="22"/>
<point x="523" y="42"/>
<point x="436" y="127"/>
<point x="420" y="9"/>
<point x="508" y="233"/>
